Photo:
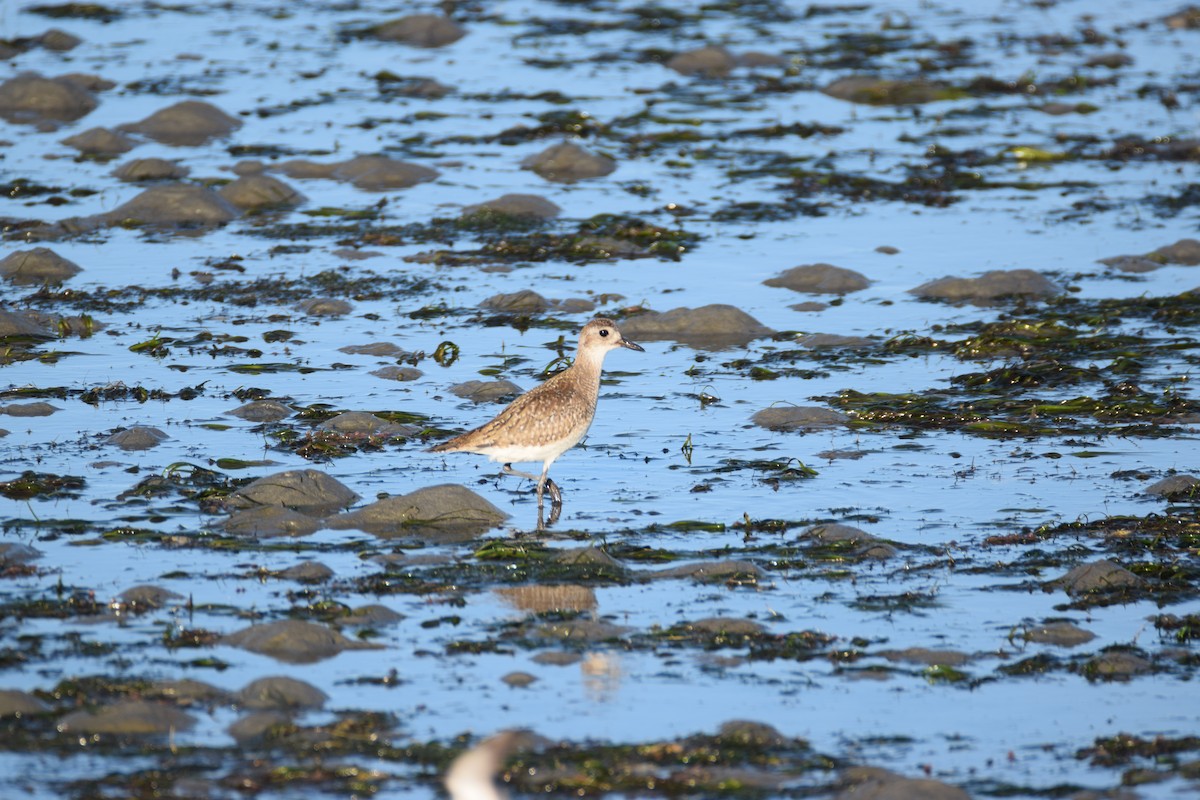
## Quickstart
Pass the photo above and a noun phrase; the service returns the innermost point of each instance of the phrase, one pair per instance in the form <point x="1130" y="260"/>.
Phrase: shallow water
<point x="938" y="495"/>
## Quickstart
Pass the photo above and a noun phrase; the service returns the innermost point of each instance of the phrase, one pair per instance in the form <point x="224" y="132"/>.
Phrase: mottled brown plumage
<point x="550" y="419"/>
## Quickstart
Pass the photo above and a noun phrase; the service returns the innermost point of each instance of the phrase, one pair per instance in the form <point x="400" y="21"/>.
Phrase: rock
<point x="32" y="98"/>
<point x="518" y="680"/>
<point x="1117" y="665"/>
<point x="820" y="279"/>
<point x="754" y="59"/>
<point x="542" y="599"/>
<point x="371" y="173"/>
<point x="792" y="418"/>
<point x="525" y="301"/>
<point x="728" y="626"/>
<point x="1062" y="634"/>
<point x="325" y="307"/>
<point x="281" y="693"/>
<point x="931" y="658"/>
<point x="710" y="571"/>
<point x="185" y="124"/>
<point x="260" y="192"/>
<point x="384" y="349"/>
<point x="1186" y="485"/>
<point x="707" y="62"/>
<point x="486" y="391"/>
<point x="306" y="572"/>
<point x="746" y="733"/>
<point x="1185" y="251"/>
<point x="360" y="423"/>
<point x="38" y="408"/>
<point x="398" y="373"/>
<point x="305" y="490"/>
<point x="370" y="616"/>
<point x="869" y="546"/>
<point x="22" y="323"/>
<point x="449" y="512"/>
<point x="419" y="30"/>
<point x="269" y="521"/>
<point x="14" y="703"/>
<point x="253" y="727"/>
<point x="37" y="266"/>
<point x="873" y="783"/>
<point x="189" y="692"/>
<point x="173" y="204"/>
<point x="294" y="641"/>
<point x="59" y="40"/>
<point x="818" y="341"/>
<point x="262" y="411"/>
<point x="128" y="717"/>
<point x="583" y="630"/>
<point x="137" y="437"/>
<point x="1131" y="263"/>
<point x="588" y="555"/>
<point x="874" y="91"/>
<point x="989" y="286"/>
<point x="516" y="205"/>
<point x="150" y="169"/>
<point x="708" y="327"/>
<point x="1097" y="576"/>
<point x="12" y="553"/>
<point x="100" y="142"/>
<point x="147" y="598"/>
<point x="568" y="162"/>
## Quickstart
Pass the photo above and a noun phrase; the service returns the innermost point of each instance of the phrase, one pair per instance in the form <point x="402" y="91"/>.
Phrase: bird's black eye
<point x="604" y="331"/>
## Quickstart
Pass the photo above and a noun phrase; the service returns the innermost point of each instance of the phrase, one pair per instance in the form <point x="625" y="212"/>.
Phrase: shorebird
<point x="550" y="419"/>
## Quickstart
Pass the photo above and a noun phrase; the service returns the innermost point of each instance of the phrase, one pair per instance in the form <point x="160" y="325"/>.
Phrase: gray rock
<point x="22" y="323"/>
<point x="1062" y="634"/>
<point x="100" y="142"/>
<point x="260" y="192"/>
<point x="873" y="783"/>
<point x="253" y="727"/>
<point x="1117" y="665"/>
<point x="526" y="301"/>
<point x="147" y="597"/>
<point x="518" y="680"/>
<point x="707" y="62"/>
<point x="137" y="437"/>
<point x="325" y="307"/>
<point x="708" y="327"/>
<point x="37" y="266"/>
<point x="379" y="173"/>
<point x="792" y="418"/>
<point x="33" y="98"/>
<point x="486" y="391"/>
<point x="1132" y="263"/>
<point x="129" y="718"/>
<point x="1185" y="252"/>
<point x="186" y="124"/>
<point x="989" y="286"/>
<point x="384" y="349"/>
<point x="568" y="163"/>
<point x="59" y="40"/>
<point x="583" y="630"/>
<point x="870" y="546"/>
<point x="747" y="733"/>
<point x="820" y="279"/>
<point x="819" y="341"/>
<point x="732" y="626"/>
<point x="923" y="655"/>
<point x="588" y="555"/>
<point x="262" y="411"/>
<point x="1174" y="485"/>
<point x="294" y="641"/>
<point x="307" y="572"/>
<point x="269" y="521"/>
<point x="171" y="205"/>
<point x="710" y="571"/>
<point x="38" y="408"/>
<point x="1096" y="576"/>
<point x="12" y="553"/>
<point x="874" y="91"/>
<point x="363" y="424"/>
<point x="449" y="512"/>
<point x="419" y="30"/>
<point x="150" y="169"/>
<point x="373" y="615"/>
<point x="305" y="490"/>
<point x="516" y="205"/>
<point x="397" y="373"/>
<point x="280" y="692"/>
<point x="15" y="703"/>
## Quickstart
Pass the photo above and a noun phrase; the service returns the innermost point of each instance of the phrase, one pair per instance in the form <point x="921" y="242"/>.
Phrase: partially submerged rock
<point x="281" y="692"/>
<point x="873" y="783"/>
<point x="449" y="512"/>
<point x="869" y="546"/>
<point x="100" y="142"/>
<point x="923" y="655"/>
<point x="33" y="98"/>
<point x="1119" y="665"/>
<point x="38" y="408"/>
<point x="294" y="641"/>
<point x="14" y="703"/>
<point x="989" y="286"/>
<point x="1061" y="634"/>
<point x="397" y="373"/>
<point x="526" y="301"/>
<point x="820" y="279"/>
<point x="712" y="61"/>
<point x="186" y="124"/>
<point x="23" y="324"/>
<point x="371" y="173"/>
<point x="516" y="205"/>
<point x="870" y="90"/>
<point x="820" y="341"/>
<point x="710" y="327"/>
<point x="361" y="423"/>
<point x="792" y="418"/>
<point x="129" y="718"/>
<point x="1185" y="252"/>
<point x="262" y="411"/>
<point x="148" y="597"/>
<point x="150" y="169"/>
<point x="170" y="205"/>
<point x="269" y="521"/>
<point x="486" y="391"/>
<point x="1096" y="576"/>
<point x="1174" y="485"/>
<point x="37" y="266"/>
<point x="419" y="30"/>
<point x="259" y="192"/>
<point x="325" y="306"/>
<point x="137" y="437"/>
<point x="305" y="490"/>
<point x="568" y="162"/>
